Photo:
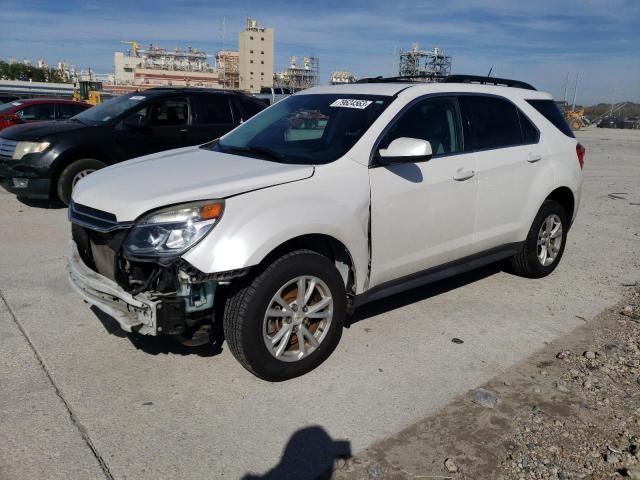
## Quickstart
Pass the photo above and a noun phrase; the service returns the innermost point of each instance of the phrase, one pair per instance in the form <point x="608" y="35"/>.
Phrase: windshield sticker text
<point x="351" y="103"/>
<point x="137" y="97"/>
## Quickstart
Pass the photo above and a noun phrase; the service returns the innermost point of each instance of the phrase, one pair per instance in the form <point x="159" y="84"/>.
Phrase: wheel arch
<point x="564" y="196"/>
<point x="324" y="244"/>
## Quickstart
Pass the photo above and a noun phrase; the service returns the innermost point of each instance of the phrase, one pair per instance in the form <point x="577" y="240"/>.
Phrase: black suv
<point x="45" y="160"/>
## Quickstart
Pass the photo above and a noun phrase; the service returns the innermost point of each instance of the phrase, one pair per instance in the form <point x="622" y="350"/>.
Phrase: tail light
<point x="580" y="151"/>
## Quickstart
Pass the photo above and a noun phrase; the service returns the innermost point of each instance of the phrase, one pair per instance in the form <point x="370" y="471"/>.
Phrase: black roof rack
<point x="451" y="79"/>
<point x="487" y="81"/>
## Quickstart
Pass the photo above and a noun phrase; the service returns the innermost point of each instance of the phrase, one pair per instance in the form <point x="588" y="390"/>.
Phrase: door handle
<point x="462" y="175"/>
<point x="534" y="157"/>
<point x="183" y="130"/>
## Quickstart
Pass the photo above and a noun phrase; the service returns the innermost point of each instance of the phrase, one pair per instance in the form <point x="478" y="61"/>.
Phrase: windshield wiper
<point x="266" y="152"/>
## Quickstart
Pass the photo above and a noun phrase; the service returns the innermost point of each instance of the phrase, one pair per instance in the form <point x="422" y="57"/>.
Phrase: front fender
<point x="334" y="202"/>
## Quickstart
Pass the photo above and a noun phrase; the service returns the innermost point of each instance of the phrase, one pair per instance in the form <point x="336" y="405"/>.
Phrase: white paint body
<point x="420" y="215"/>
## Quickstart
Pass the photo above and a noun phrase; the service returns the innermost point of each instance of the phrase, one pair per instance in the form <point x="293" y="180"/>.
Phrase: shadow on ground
<point x="161" y="345"/>
<point x="415" y="295"/>
<point x="42" y="203"/>
<point x="309" y="454"/>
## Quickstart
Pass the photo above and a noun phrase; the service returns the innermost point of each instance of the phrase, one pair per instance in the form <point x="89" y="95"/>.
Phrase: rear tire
<point x="532" y="262"/>
<point x="72" y="173"/>
<point x="261" y="306"/>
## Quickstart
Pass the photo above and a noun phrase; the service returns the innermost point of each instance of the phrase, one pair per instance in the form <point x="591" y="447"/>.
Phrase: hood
<point x="132" y="188"/>
<point x="39" y="130"/>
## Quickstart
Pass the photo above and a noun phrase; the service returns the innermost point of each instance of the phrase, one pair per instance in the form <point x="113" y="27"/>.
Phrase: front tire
<point x="286" y="320"/>
<point x="73" y="173"/>
<point x="544" y="246"/>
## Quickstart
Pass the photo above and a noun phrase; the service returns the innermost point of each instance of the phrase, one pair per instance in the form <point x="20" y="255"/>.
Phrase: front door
<point x="422" y="214"/>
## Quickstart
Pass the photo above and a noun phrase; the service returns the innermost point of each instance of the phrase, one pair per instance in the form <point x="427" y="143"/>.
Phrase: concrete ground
<point x="80" y="400"/>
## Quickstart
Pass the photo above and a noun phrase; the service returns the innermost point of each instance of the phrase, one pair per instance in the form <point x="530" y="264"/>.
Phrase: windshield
<point x="8" y="106"/>
<point x="110" y="109"/>
<point x="305" y="129"/>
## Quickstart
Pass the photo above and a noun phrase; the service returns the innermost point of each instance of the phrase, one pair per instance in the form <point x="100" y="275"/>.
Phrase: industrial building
<point x="298" y="77"/>
<point x="424" y="65"/>
<point x="227" y="66"/>
<point x="156" y="66"/>
<point x="341" y="77"/>
<point x="256" y="52"/>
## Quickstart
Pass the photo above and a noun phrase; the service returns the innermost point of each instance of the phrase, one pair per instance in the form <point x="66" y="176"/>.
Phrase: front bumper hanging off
<point x="133" y="313"/>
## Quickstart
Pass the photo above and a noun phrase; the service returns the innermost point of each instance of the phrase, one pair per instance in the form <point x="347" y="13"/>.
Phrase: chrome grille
<point x="7" y="147"/>
<point x="95" y="219"/>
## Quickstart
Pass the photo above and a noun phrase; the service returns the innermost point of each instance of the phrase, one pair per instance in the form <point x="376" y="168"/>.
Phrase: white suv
<point x="331" y="198"/>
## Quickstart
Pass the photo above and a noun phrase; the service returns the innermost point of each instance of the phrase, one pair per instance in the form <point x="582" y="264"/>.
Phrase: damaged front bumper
<point x="134" y="313"/>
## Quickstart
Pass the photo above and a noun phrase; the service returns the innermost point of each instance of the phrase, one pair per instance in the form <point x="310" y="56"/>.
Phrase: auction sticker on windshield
<point x="137" y="97"/>
<point x="351" y="103"/>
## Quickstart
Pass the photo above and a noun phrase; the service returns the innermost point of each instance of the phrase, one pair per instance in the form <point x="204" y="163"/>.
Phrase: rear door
<point x="509" y="157"/>
<point x="422" y="214"/>
<point x="212" y="117"/>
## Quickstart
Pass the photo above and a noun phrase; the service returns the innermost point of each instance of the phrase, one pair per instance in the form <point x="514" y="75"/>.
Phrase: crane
<point x="135" y="47"/>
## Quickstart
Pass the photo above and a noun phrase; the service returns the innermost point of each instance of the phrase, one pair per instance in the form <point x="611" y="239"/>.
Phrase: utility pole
<point x="613" y="101"/>
<point x="566" y="87"/>
<point x="575" y="91"/>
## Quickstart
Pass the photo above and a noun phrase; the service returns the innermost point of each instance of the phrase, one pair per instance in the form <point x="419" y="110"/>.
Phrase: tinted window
<point x="530" y="133"/>
<point x="42" y="111"/>
<point x="251" y="107"/>
<point x="170" y="111"/>
<point x="67" y="110"/>
<point x="435" y="120"/>
<point x="489" y="122"/>
<point x="551" y="112"/>
<point x="213" y="109"/>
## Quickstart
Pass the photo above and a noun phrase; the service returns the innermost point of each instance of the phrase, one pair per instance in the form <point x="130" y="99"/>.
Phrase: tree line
<point x="20" y="71"/>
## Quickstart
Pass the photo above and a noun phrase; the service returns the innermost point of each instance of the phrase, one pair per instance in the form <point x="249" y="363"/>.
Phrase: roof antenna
<point x="490" y="70"/>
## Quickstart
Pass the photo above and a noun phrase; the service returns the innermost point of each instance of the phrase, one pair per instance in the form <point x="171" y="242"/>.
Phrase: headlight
<point x="23" y="148"/>
<point x="170" y="231"/>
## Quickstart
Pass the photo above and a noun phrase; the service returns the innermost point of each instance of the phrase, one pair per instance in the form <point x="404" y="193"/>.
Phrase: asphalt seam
<point x="74" y="418"/>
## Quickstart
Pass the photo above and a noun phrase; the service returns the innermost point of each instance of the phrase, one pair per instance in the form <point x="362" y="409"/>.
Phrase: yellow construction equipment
<point x="575" y="118"/>
<point x="135" y="47"/>
<point x="88" y="92"/>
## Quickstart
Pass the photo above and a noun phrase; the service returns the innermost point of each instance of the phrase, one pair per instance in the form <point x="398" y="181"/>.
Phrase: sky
<point x="540" y="41"/>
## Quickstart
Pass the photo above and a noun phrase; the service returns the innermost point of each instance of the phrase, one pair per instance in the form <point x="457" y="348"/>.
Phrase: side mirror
<point x="14" y="119"/>
<point x="406" y="150"/>
<point x="135" y="121"/>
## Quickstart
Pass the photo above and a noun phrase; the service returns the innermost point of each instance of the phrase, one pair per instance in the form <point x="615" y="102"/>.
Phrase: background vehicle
<point x="89" y="92"/>
<point x="38" y="110"/>
<point x="47" y="159"/>
<point x="271" y="95"/>
<point x="285" y="224"/>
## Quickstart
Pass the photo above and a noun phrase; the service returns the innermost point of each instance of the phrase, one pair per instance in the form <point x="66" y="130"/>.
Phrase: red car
<point x="38" y="110"/>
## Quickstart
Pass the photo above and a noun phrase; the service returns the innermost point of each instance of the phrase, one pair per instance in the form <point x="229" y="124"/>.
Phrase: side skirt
<point x="435" y="274"/>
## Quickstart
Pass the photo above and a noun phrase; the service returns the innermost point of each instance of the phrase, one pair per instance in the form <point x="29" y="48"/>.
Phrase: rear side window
<point x="530" y="133"/>
<point x="551" y="112"/>
<point x="251" y="106"/>
<point x="489" y="122"/>
<point x="67" y="110"/>
<point x="213" y="109"/>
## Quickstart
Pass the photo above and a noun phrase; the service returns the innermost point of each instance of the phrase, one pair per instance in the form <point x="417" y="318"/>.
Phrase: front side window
<point x="489" y="122"/>
<point x="305" y="129"/>
<point x="170" y="111"/>
<point x="41" y="111"/>
<point x="434" y="120"/>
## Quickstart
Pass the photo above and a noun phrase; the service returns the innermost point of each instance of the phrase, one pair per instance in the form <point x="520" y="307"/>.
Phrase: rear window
<point x="551" y="112"/>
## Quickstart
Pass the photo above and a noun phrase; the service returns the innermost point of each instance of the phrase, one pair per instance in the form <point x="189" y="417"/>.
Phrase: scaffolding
<point x="341" y="77"/>
<point x="227" y="66"/>
<point x="424" y="65"/>
<point x="299" y="77"/>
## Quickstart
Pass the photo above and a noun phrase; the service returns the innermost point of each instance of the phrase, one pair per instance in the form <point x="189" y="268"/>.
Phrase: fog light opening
<point x="20" y="182"/>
